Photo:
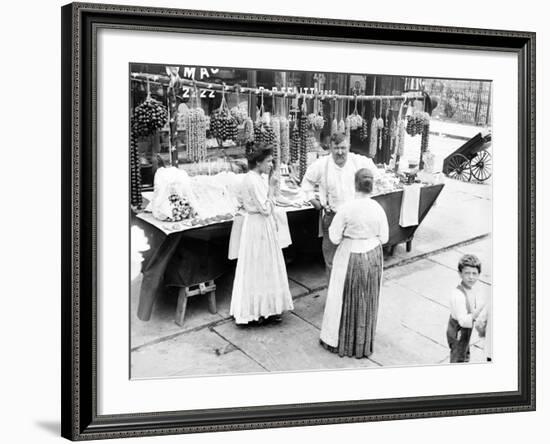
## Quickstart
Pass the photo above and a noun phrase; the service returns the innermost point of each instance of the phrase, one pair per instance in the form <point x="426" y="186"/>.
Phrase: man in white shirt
<point x="335" y="177"/>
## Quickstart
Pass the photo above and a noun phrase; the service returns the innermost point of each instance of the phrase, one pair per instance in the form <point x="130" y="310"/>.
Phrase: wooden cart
<point x="471" y="160"/>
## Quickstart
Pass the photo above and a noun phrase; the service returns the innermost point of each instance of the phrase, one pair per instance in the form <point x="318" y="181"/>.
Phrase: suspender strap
<point x="468" y="306"/>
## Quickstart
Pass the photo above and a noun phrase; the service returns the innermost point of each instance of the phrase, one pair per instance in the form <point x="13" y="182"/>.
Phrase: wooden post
<point x="182" y="305"/>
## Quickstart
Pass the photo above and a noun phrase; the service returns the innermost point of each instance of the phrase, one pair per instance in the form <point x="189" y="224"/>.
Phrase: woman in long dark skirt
<point x="359" y="228"/>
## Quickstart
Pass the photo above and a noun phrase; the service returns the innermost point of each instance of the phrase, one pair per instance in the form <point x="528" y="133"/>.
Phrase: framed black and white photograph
<point x="276" y="221"/>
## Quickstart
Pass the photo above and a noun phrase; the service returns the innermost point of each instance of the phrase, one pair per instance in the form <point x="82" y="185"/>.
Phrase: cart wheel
<point x="481" y="166"/>
<point x="459" y="168"/>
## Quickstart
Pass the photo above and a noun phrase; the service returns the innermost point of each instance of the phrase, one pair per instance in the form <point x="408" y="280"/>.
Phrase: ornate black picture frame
<point x="80" y="22"/>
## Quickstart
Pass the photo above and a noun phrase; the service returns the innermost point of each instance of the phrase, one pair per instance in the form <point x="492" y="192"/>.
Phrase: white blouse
<point x="361" y="218"/>
<point x="254" y="194"/>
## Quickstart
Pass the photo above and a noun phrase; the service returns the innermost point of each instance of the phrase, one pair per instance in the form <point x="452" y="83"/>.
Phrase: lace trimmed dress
<point x="261" y="285"/>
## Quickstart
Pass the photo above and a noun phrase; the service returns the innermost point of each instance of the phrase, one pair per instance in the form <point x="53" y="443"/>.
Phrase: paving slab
<point x="310" y="275"/>
<point x="415" y="312"/>
<point x="292" y="345"/>
<point x="162" y="321"/>
<point x="312" y="307"/>
<point x="191" y="354"/>
<point x="396" y="345"/>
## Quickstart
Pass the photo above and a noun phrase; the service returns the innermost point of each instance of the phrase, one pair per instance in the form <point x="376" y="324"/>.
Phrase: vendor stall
<point x="190" y="203"/>
<point x="183" y="255"/>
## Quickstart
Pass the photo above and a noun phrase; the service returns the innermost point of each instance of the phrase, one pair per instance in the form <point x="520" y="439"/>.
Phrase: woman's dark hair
<point x="257" y="153"/>
<point x="364" y="181"/>
<point x="469" y="260"/>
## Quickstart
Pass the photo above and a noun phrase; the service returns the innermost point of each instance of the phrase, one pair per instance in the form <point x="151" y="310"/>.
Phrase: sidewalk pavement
<point x="412" y="320"/>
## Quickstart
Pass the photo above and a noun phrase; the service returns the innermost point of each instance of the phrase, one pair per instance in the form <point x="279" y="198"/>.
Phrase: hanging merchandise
<point x="334" y="124"/>
<point x="393" y="135"/>
<point x="355" y="120"/>
<point x="248" y="130"/>
<point x="373" y="142"/>
<point x="181" y="118"/>
<point x="315" y="120"/>
<point x="285" y="140"/>
<point x="263" y="132"/>
<point x="294" y="141"/>
<point x="150" y="116"/>
<point x="222" y="124"/>
<point x="136" y="198"/>
<point x="303" y="139"/>
<point x="276" y="126"/>
<point x="416" y="122"/>
<point x="424" y="143"/>
<point x="248" y="124"/>
<point x="196" y="131"/>
<point x="401" y="127"/>
<point x="342" y="122"/>
<point x="364" y="132"/>
<point x="380" y="126"/>
<point x="239" y="112"/>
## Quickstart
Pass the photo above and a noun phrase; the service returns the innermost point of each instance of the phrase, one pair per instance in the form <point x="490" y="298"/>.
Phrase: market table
<point x="182" y="255"/>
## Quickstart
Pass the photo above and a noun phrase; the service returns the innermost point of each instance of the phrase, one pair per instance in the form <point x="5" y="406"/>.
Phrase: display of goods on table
<point x="290" y="194"/>
<point x="200" y="199"/>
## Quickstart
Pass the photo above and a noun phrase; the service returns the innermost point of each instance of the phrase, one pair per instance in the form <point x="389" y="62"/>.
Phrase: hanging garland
<point x="373" y="142"/>
<point x="303" y="127"/>
<point x="285" y="140"/>
<point x="196" y="133"/>
<point x="294" y="141"/>
<point x="136" y="198"/>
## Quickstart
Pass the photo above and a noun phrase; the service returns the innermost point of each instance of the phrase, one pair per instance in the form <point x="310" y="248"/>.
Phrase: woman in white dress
<point x="359" y="228"/>
<point x="260" y="288"/>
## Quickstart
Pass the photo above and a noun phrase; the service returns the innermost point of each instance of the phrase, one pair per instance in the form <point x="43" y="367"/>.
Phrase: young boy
<point x="466" y="306"/>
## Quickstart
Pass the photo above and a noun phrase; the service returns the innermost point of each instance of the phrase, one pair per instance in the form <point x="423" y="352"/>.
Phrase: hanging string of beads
<point x="303" y="128"/>
<point x="364" y="132"/>
<point x="196" y="130"/>
<point x="294" y="139"/>
<point x="424" y="143"/>
<point x="136" y="199"/>
<point x="285" y="133"/>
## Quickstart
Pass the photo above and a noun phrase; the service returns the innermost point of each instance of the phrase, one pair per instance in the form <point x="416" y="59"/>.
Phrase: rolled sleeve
<point x="311" y="179"/>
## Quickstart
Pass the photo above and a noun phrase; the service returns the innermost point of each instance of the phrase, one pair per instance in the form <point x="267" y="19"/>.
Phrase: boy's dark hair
<point x="469" y="260"/>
